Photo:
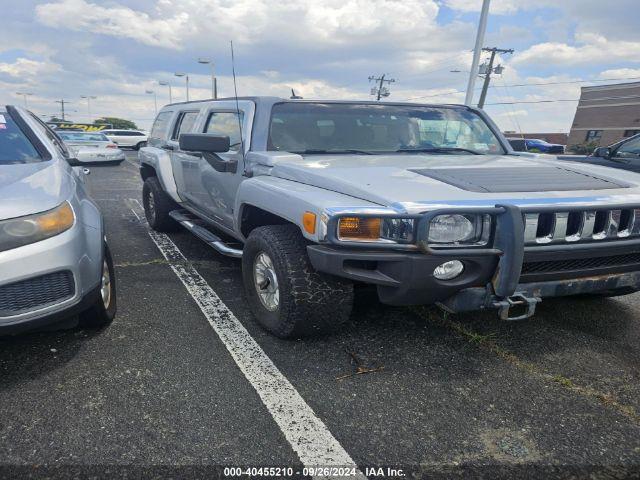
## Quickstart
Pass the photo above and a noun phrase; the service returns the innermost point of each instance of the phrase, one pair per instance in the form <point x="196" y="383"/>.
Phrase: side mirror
<point x="204" y="142"/>
<point x="603" y="152"/>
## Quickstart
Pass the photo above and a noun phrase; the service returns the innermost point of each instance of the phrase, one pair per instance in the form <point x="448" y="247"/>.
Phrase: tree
<point x="116" y="122"/>
<point x="58" y="120"/>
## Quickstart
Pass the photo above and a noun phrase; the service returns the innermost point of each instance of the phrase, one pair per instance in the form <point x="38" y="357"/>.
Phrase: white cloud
<point x="500" y="7"/>
<point x="591" y="48"/>
<point x="80" y="15"/>
<point x="25" y="68"/>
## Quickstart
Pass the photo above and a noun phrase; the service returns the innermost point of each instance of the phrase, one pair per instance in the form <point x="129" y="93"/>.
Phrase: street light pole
<point x="25" y="95"/>
<point x="167" y="84"/>
<point x="182" y="74"/>
<point x="214" y="80"/>
<point x="89" y="98"/>
<point x="155" y="99"/>
<point x="482" y="26"/>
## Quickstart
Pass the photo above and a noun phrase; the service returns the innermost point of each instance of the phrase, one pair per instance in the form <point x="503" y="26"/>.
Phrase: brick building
<point x="606" y="114"/>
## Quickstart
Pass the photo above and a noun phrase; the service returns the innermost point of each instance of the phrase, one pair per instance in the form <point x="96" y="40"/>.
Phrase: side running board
<point x="188" y="221"/>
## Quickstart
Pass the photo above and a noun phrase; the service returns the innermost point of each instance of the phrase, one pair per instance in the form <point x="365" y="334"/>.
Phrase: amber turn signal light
<point x="356" y="228"/>
<point x="309" y="222"/>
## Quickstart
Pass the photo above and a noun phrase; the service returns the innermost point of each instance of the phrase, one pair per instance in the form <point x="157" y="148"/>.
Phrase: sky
<point x="116" y="50"/>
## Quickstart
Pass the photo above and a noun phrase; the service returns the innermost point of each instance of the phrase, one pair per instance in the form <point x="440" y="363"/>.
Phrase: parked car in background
<point x="54" y="259"/>
<point x="92" y="147"/>
<point x="624" y="154"/>
<point x="428" y="203"/>
<point x="535" y="145"/>
<point x="135" y="139"/>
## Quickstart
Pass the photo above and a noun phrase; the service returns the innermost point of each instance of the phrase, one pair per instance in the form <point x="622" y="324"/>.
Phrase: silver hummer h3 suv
<point x="429" y="203"/>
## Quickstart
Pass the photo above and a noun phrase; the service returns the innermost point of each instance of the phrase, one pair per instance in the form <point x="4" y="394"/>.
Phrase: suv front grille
<point x="578" y="264"/>
<point x="582" y="226"/>
<point x="36" y="293"/>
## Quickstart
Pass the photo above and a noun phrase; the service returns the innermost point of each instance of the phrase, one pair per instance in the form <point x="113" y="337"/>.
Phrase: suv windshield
<point x="15" y="147"/>
<point x="369" y="128"/>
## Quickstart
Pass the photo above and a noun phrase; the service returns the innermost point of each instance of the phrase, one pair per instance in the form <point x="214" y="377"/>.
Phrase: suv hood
<point x="407" y="180"/>
<point x="32" y="188"/>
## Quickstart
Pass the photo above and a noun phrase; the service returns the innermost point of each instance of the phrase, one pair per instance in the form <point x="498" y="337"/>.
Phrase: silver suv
<point x="428" y="203"/>
<point x="54" y="259"/>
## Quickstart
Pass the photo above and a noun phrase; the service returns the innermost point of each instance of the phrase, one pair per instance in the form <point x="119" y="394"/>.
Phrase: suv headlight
<point x="376" y="229"/>
<point x="460" y="229"/>
<point x="17" y="232"/>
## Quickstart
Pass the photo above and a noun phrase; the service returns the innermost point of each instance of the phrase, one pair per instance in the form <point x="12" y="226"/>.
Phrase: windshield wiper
<point x="345" y="150"/>
<point x="439" y="150"/>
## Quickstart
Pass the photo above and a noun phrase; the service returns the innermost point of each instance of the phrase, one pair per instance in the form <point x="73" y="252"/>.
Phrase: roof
<point x="611" y="86"/>
<point x="267" y="100"/>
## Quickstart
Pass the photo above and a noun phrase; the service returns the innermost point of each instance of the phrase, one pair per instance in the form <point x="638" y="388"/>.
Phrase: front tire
<point x="287" y="296"/>
<point x="157" y="205"/>
<point x="103" y="311"/>
<point x="140" y="145"/>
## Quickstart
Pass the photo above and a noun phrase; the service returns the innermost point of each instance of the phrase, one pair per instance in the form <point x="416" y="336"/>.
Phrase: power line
<point x="531" y="85"/>
<point x="626" y="97"/>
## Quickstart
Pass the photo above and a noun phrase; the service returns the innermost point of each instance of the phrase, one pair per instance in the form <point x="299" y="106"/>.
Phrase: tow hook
<point x="519" y="301"/>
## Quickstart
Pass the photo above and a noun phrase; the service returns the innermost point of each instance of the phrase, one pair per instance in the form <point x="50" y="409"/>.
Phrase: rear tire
<point x="103" y="311"/>
<point x="157" y="205"/>
<point x="307" y="302"/>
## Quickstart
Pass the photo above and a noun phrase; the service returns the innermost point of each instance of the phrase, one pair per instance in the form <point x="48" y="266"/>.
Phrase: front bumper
<point x="407" y="278"/>
<point x="77" y="251"/>
<point x="506" y="274"/>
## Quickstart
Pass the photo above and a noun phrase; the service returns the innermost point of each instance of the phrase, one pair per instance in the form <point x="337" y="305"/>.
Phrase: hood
<point x="33" y="187"/>
<point x="406" y="180"/>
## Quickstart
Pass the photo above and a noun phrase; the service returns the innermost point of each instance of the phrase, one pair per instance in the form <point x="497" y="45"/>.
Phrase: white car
<point x="92" y="147"/>
<point x="135" y="139"/>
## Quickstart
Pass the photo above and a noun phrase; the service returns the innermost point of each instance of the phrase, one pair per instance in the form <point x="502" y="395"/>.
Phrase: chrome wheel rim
<point x="151" y="206"/>
<point x="266" y="282"/>
<point x="105" y="285"/>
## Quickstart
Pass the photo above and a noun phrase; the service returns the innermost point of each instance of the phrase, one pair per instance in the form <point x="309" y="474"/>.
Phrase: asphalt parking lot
<point x="407" y="387"/>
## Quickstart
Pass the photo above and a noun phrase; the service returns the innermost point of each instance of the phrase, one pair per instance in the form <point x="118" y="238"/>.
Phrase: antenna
<point x="235" y="89"/>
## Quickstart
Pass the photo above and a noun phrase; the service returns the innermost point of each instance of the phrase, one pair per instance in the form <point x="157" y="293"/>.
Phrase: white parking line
<point x="309" y="437"/>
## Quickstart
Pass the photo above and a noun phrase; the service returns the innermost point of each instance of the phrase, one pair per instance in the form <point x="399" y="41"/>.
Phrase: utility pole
<point x="490" y="70"/>
<point x="379" y="90"/>
<point x="62" y="102"/>
<point x="482" y="26"/>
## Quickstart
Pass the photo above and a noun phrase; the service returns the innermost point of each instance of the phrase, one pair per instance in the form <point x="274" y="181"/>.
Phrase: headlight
<point x="465" y="229"/>
<point x="17" y="232"/>
<point x="376" y="229"/>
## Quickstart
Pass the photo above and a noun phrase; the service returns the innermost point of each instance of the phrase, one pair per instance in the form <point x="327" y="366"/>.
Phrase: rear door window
<point x="159" y="128"/>
<point x="184" y="124"/>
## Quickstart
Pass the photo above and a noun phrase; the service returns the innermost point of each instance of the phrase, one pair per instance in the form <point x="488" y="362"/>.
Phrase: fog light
<point x="448" y="270"/>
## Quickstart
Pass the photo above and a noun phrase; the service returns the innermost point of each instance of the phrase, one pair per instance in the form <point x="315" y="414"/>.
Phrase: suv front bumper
<point x="501" y="276"/>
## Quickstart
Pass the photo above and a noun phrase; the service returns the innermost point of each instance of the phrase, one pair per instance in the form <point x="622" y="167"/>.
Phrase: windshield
<point x="82" y="137"/>
<point x="15" y="147"/>
<point x="365" y="128"/>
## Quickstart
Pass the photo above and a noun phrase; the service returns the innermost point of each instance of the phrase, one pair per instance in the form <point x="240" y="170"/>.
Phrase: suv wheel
<point x="139" y="145"/>
<point x="157" y="205"/>
<point x="103" y="311"/>
<point x="288" y="297"/>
